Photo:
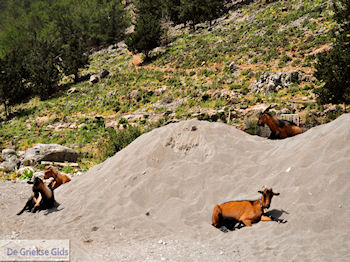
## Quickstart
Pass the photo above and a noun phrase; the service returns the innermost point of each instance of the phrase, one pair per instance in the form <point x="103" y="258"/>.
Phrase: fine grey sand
<point x="176" y="174"/>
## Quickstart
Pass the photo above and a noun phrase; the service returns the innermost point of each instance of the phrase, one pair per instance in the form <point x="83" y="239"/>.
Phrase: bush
<point x="148" y="29"/>
<point x="27" y="174"/>
<point x="117" y="140"/>
<point x="332" y="67"/>
<point x="205" y="97"/>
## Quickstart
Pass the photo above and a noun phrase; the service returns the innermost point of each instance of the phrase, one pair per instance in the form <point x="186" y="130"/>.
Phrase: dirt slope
<point x="153" y="200"/>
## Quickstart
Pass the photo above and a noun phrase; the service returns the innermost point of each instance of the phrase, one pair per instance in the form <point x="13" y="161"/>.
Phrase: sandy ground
<point x="153" y="200"/>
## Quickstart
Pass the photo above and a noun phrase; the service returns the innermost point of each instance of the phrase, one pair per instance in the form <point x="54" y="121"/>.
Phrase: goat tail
<point x="217" y="213"/>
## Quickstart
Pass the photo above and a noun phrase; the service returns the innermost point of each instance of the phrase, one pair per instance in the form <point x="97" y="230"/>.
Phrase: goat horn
<point x="267" y="109"/>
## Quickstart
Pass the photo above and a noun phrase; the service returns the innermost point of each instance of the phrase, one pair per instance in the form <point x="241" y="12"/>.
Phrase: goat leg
<point x="27" y="206"/>
<point x="265" y="218"/>
<point x="247" y="222"/>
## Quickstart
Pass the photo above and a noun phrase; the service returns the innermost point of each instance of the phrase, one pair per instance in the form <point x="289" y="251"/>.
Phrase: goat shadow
<point x="53" y="209"/>
<point x="230" y="224"/>
<point x="275" y="215"/>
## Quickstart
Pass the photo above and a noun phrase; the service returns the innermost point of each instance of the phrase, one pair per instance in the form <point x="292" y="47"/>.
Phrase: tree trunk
<point x="76" y="77"/>
<point x="6" y="110"/>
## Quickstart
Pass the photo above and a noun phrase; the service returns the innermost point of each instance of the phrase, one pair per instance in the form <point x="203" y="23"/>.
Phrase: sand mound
<point x="165" y="184"/>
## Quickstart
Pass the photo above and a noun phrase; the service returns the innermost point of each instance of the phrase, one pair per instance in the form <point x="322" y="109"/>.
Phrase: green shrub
<point x="205" y="97"/>
<point x="27" y="174"/>
<point x="332" y="68"/>
<point x="117" y="140"/>
<point x="296" y="62"/>
<point x="68" y="169"/>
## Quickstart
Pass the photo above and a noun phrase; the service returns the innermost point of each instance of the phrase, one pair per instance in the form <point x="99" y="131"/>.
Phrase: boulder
<point x="49" y="152"/>
<point x="274" y="81"/>
<point x="72" y="90"/>
<point x="93" y="79"/>
<point x="8" y="153"/>
<point x="160" y="90"/>
<point x="233" y="66"/>
<point x="10" y="164"/>
<point x="39" y="174"/>
<point x="290" y="78"/>
<point x="135" y="95"/>
<point x="332" y="110"/>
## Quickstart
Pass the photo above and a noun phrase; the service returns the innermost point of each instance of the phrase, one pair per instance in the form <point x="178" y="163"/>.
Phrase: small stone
<point x="93" y="79"/>
<point x="72" y="90"/>
<point x="232" y="67"/>
<point x="161" y="242"/>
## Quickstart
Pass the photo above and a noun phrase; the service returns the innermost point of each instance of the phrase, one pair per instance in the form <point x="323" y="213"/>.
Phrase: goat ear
<point x="276" y="194"/>
<point x="261" y="192"/>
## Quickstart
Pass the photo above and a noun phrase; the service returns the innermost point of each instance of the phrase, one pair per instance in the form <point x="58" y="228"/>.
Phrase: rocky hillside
<point x="258" y="54"/>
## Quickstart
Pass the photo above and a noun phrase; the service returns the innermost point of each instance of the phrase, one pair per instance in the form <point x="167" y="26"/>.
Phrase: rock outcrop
<point x="11" y="160"/>
<point x="275" y="81"/>
<point x="49" y="152"/>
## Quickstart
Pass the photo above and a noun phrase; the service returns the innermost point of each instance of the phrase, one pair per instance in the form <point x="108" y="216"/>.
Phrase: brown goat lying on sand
<point x="246" y="211"/>
<point x="279" y="128"/>
<point x="42" y="197"/>
<point x="59" y="179"/>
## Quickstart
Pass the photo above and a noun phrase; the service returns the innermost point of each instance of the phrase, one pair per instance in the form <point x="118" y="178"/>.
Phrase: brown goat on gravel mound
<point x="246" y="211"/>
<point x="59" y="179"/>
<point x="41" y="198"/>
<point x="279" y="128"/>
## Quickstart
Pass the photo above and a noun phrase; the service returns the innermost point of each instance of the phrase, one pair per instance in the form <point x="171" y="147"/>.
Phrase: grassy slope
<point x="174" y="85"/>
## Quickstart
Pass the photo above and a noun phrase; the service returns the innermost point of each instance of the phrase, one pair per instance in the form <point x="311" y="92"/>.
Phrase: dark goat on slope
<point x="279" y="128"/>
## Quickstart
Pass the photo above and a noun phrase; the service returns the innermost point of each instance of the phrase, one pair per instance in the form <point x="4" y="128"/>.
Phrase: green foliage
<point x="251" y="126"/>
<point x="27" y="174"/>
<point x="12" y="89"/>
<point x="68" y="169"/>
<point x="148" y="31"/>
<point x="49" y="39"/>
<point x="101" y="21"/>
<point x="205" y="97"/>
<point x="172" y="10"/>
<point x="42" y="65"/>
<point x="332" y="67"/>
<point x="117" y="140"/>
<point x="284" y="60"/>
<point x="72" y="39"/>
<point x="199" y="11"/>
